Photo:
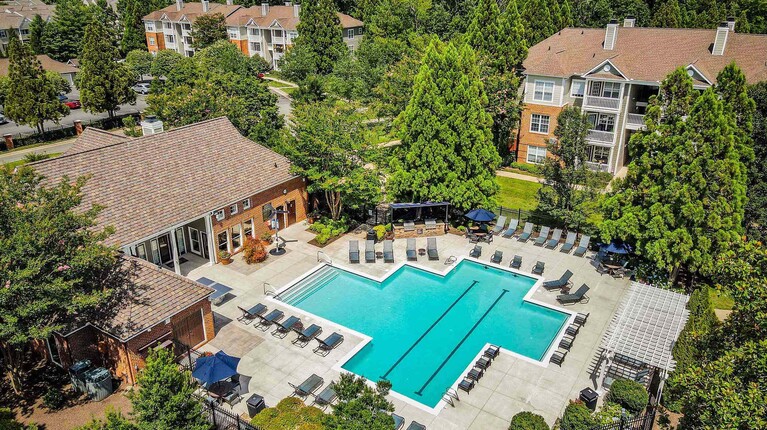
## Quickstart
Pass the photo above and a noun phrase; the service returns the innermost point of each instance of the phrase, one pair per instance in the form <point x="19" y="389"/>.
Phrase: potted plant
<point x="224" y="257"/>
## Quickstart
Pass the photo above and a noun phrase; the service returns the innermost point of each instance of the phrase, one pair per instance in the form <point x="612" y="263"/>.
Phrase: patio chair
<point x="249" y="315"/>
<point x="285" y="327"/>
<point x="412" y="253"/>
<point x="512" y="228"/>
<point x="330" y="343"/>
<point x="554" y="241"/>
<point x="388" y="251"/>
<point x="326" y="396"/>
<point x="562" y="282"/>
<point x="577" y="297"/>
<point x="538" y="268"/>
<point x="516" y="263"/>
<point x="499" y="224"/>
<point x="542" y="236"/>
<point x="569" y="242"/>
<point x="581" y="319"/>
<point x="583" y="246"/>
<point x="409" y="226"/>
<point x="270" y="319"/>
<point x="526" y="232"/>
<point x="354" y="251"/>
<point x="431" y="248"/>
<point x="466" y="385"/>
<point x="306" y="335"/>
<point x="309" y="386"/>
<point x="497" y="257"/>
<point x="416" y="426"/>
<point x="431" y="224"/>
<point x="399" y="421"/>
<point x="370" y="251"/>
<point x="558" y="358"/>
<point x="476" y="252"/>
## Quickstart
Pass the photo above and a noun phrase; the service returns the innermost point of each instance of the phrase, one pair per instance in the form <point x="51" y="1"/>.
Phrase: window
<point x="266" y="211"/>
<point x="236" y="239"/>
<point x="350" y="34"/>
<point x="539" y="123"/>
<point x="246" y="204"/>
<point x="149" y="26"/>
<point x="223" y="241"/>
<point x="141" y="251"/>
<point x="170" y="38"/>
<point x="152" y="41"/>
<point x="578" y="88"/>
<point x="219" y="215"/>
<point x="544" y="91"/>
<point x="536" y="154"/>
<point x="248" y="227"/>
<point x="598" y="154"/>
<point x="233" y="209"/>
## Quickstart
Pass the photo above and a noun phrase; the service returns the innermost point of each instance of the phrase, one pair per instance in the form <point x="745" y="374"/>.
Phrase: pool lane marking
<point x="433" y="375"/>
<point x="428" y="330"/>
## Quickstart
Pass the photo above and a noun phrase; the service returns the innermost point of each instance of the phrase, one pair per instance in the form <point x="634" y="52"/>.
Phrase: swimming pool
<point x="426" y="328"/>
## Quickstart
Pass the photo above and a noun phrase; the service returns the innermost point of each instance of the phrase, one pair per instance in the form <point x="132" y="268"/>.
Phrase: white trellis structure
<point x="643" y="332"/>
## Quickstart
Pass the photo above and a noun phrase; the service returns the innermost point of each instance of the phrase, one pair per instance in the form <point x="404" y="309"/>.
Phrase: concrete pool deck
<point x="510" y="385"/>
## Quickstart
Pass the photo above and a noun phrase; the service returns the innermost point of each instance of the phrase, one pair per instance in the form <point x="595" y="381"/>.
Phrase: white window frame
<point x="583" y="88"/>
<point x="545" y="84"/>
<point x="537" y="157"/>
<point x="539" y="123"/>
<point x="234" y="209"/>
<point x="246" y="204"/>
<point x="219" y="215"/>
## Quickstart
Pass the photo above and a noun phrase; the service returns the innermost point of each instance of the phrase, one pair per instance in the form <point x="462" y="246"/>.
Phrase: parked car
<point x="3" y="120"/>
<point x="141" y="88"/>
<point x="73" y="104"/>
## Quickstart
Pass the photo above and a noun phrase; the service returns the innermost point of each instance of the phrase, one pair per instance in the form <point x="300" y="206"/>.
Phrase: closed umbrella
<point x="213" y="368"/>
<point x="480" y="215"/>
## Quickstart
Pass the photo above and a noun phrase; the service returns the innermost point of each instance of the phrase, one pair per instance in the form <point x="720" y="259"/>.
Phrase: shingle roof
<point x="152" y="183"/>
<point x="282" y="14"/>
<point x="93" y="138"/>
<point x="191" y="11"/>
<point x="47" y="62"/>
<point x="647" y="54"/>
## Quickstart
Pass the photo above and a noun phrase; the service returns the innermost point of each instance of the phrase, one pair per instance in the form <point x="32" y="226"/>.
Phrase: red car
<point x="73" y="104"/>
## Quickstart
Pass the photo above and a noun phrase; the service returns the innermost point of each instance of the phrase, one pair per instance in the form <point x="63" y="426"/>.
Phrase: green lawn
<point x="517" y="194"/>
<point x="720" y="299"/>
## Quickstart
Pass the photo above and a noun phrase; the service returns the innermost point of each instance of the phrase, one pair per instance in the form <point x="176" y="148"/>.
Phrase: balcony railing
<point x="602" y="102"/>
<point x="601" y="136"/>
<point x="634" y="121"/>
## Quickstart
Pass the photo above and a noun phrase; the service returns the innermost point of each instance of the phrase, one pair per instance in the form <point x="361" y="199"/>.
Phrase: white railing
<point x="601" y="136"/>
<point x="599" y="167"/>
<point x="635" y="119"/>
<point x="602" y="102"/>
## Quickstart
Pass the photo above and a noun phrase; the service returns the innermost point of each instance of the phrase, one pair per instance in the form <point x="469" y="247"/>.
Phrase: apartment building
<point x="263" y="30"/>
<point x="611" y="74"/>
<point x="15" y="17"/>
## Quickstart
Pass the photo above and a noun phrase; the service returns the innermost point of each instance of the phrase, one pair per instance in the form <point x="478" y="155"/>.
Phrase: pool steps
<point x="307" y="286"/>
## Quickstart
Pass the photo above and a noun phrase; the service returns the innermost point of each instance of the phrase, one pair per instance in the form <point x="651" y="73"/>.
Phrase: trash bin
<point x="589" y="397"/>
<point x="77" y="374"/>
<point x="98" y="383"/>
<point x="255" y="405"/>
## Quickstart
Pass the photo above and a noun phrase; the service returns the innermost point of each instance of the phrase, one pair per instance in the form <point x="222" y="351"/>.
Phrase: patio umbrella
<point x="213" y="368"/>
<point x="617" y="247"/>
<point x="480" y="215"/>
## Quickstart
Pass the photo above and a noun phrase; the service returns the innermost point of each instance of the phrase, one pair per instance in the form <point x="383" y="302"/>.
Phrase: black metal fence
<point x="639" y="422"/>
<point x="222" y="419"/>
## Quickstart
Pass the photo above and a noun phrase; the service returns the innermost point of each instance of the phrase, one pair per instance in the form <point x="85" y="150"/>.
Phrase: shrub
<point x="629" y="394"/>
<point x="577" y="417"/>
<point x="253" y="250"/>
<point x="528" y="421"/>
<point x="53" y="399"/>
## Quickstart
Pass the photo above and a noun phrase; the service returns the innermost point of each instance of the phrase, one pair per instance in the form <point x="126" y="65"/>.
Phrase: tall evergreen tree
<point x="208" y="29"/>
<point x="320" y="35"/>
<point x="63" y="35"/>
<point x="36" y="30"/>
<point x="447" y="153"/>
<point x="104" y="83"/>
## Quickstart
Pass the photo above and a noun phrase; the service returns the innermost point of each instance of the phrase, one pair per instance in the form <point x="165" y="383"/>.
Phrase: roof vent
<point x="731" y="23"/>
<point x="629" y="21"/>
<point x="611" y="35"/>
<point x="720" y="41"/>
<point x="151" y="125"/>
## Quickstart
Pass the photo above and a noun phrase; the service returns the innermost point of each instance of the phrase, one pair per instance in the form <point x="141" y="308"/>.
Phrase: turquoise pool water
<point x="426" y="328"/>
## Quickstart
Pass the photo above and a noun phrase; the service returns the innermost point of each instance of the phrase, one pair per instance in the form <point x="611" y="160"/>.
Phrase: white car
<point x="141" y="88"/>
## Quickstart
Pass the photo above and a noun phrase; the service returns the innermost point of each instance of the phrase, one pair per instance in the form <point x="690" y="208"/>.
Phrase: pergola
<point x="642" y="335"/>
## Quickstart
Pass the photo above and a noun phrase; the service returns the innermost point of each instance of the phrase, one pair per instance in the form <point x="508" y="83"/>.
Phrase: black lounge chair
<point x="577" y="297"/>
<point x="542" y="236"/>
<point x="499" y="224"/>
<point x="307" y="334"/>
<point x="583" y="246"/>
<point x="412" y="254"/>
<point x="399" y="421"/>
<point x="497" y="257"/>
<point x="580" y="319"/>
<point x="539" y="266"/>
<point x="527" y="232"/>
<point x="554" y="241"/>
<point x="416" y="426"/>
<point x="476" y="252"/>
<point x="326" y="396"/>
<point x="330" y="343"/>
<point x="558" y="358"/>
<point x="354" y="251"/>
<point x="466" y="385"/>
<point x="512" y="228"/>
<point x="388" y="251"/>
<point x="249" y="315"/>
<point x="492" y="351"/>
<point x="516" y="263"/>
<point x="562" y="282"/>
<point x="431" y="248"/>
<point x="309" y="386"/>
<point x="569" y="242"/>
<point x="285" y="327"/>
<point x="370" y="251"/>
<point x="270" y="319"/>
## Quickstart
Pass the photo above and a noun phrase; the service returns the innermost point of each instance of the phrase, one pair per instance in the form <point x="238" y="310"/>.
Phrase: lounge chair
<point x="499" y="224"/>
<point x="512" y="228"/>
<point x="285" y="327"/>
<point x="577" y="297"/>
<point x="409" y="226"/>
<point x="370" y="251"/>
<point x="430" y="224"/>
<point x="562" y="282"/>
<point x="526" y="232"/>
<point x="431" y="248"/>
<point x="558" y="358"/>
<point x="569" y="242"/>
<point x="326" y="396"/>
<point x="249" y="315"/>
<point x="309" y="386"/>
<point x="583" y="246"/>
<point x="388" y="251"/>
<point x="542" y="236"/>
<point x="412" y="254"/>
<point x="466" y="385"/>
<point x="416" y="426"/>
<point x="270" y="319"/>
<point x="399" y="421"/>
<point x="516" y="263"/>
<point x="476" y="252"/>
<point x="497" y="257"/>
<point x="307" y="334"/>
<point x="354" y="251"/>
<point x="539" y="266"/>
<point x="581" y="319"/>
<point x="330" y="343"/>
<point x="554" y="241"/>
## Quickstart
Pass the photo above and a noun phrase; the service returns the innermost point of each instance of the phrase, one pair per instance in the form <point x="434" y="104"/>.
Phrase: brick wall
<point x="526" y="137"/>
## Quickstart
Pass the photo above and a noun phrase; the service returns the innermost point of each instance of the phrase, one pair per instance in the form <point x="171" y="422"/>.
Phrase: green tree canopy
<point x="208" y="29"/>
<point x="64" y="33"/>
<point x="360" y="406"/>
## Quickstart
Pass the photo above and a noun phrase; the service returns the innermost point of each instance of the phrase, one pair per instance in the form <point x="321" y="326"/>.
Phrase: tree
<point x="53" y="264"/>
<point x="320" y="35"/>
<point x="331" y="151"/>
<point x="447" y="151"/>
<point x="104" y="84"/>
<point x="36" y="31"/>
<point x="32" y="97"/>
<point x="139" y="63"/>
<point x="164" y="399"/>
<point x="64" y="33"/>
<point x="208" y="29"/>
<point x="756" y="208"/>
<point x="360" y="406"/>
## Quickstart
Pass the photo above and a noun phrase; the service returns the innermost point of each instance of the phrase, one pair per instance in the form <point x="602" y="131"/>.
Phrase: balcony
<point x="601" y="136"/>
<point x="635" y="121"/>
<point x="601" y="102"/>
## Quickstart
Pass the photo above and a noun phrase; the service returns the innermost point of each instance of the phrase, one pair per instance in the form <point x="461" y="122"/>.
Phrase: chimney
<point x="8" y="141"/>
<point x="720" y="41"/>
<point x="296" y="10"/>
<point x="264" y="8"/>
<point x="731" y="23"/>
<point x="611" y="35"/>
<point x="179" y="4"/>
<point x="78" y="127"/>
<point x="205" y="5"/>
<point x="629" y="21"/>
<point x="151" y="125"/>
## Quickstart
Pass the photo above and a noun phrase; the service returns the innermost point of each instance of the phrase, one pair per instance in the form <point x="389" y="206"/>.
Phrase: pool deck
<point x="511" y="384"/>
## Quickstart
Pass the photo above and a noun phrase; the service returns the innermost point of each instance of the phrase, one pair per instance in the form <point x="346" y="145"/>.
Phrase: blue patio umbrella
<point x="617" y="247"/>
<point x="213" y="368"/>
<point x="480" y="215"/>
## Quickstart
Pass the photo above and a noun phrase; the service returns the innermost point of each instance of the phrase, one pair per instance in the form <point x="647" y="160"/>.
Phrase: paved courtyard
<point x="510" y="385"/>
